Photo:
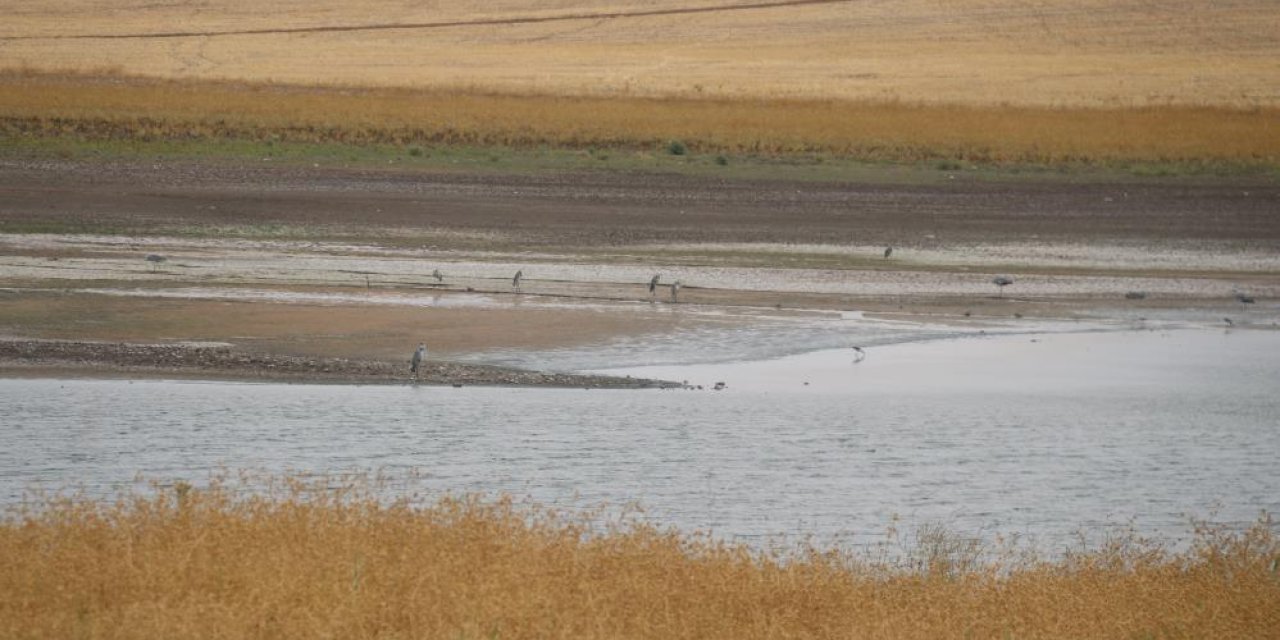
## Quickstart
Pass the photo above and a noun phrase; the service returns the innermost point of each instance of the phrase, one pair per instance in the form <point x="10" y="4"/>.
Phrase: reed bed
<point x="115" y="107"/>
<point x="308" y="559"/>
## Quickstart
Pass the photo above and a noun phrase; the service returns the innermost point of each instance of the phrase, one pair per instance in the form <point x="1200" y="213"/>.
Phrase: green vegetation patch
<point x="809" y="167"/>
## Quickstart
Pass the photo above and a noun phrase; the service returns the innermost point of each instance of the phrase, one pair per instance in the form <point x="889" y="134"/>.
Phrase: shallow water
<point x="1037" y="435"/>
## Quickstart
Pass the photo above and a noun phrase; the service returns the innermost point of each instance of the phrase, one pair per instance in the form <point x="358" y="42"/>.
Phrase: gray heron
<point x="653" y="284"/>
<point x="1002" y="282"/>
<point x="675" y="291"/>
<point x="1244" y="298"/>
<point x="859" y="355"/>
<point x="437" y="275"/>
<point x="515" y="282"/>
<point x="888" y="251"/>
<point x="155" y="259"/>
<point x="416" y="361"/>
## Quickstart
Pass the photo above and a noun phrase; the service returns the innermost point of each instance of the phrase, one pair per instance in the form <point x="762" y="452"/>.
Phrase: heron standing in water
<point x="888" y="251"/>
<point x="515" y="282"/>
<point x="859" y="355"/>
<point x="437" y="275"/>
<point x="155" y="259"/>
<point x="653" y="285"/>
<point x="415" y="363"/>
<point x="675" y="291"/>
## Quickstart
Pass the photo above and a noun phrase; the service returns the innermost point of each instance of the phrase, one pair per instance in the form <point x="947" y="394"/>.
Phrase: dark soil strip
<point x="114" y="359"/>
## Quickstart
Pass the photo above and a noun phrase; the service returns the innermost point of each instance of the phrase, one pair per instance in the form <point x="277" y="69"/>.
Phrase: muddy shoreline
<point x="34" y="358"/>
<point x="328" y="274"/>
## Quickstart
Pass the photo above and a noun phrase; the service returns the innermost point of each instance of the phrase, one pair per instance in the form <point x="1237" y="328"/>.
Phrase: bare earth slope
<point x="599" y="209"/>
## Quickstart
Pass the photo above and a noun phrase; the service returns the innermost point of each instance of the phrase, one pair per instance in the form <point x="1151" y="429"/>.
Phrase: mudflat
<point x="601" y="209"/>
<point x="307" y="268"/>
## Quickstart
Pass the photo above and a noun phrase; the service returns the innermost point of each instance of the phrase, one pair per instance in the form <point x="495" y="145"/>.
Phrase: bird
<point x="1244" y="298"/>
<point x="859" y="355"/>
<point x="675" y="291"/>
<point x="437" y="275"/>
<point x="1229" y="322"/>
<point x="1002" y="282"/>
<point x="515" y="282"/>
<point x="155" y="259"/>
<point x="888" y="251"/>
<point x="416" y="361"/>
<point x="653" y="284"/>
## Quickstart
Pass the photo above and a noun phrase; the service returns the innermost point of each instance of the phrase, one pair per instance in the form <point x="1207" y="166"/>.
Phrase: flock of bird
<point x="155" y="260"/>
<point x="420" y="355"/>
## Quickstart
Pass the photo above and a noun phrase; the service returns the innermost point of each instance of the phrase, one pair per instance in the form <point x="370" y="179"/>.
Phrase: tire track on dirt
<point x="441" y="24"/>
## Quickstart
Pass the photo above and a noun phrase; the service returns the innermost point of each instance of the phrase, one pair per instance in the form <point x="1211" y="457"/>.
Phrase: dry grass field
<point x="969" y="80"/>
<point x="301" y="562"/>
<point x="123" y="108"/>
<point x="985" y="52"/>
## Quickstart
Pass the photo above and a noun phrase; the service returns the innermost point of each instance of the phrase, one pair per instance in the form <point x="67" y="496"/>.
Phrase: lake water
<point x="1040" y="435"/>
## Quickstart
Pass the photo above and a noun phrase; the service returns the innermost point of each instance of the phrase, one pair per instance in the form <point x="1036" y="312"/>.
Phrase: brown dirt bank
<point x="479" y="210"/>
<point x="382" y="333"/>
<point x="97" y="359"/>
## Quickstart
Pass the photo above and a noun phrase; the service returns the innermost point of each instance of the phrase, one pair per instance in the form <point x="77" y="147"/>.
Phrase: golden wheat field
<point x="986" y="81"/>
<point x="321" y="559"/>
<point x="983" y="52"/>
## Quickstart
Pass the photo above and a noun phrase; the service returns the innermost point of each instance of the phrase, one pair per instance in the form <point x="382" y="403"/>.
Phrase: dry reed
<point x="119" y="107"/>
<point x="306" y="560"/>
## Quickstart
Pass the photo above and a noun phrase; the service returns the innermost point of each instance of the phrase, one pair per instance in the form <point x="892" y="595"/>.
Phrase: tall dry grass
<point x="306" y="560"/>
<point x="122" y="107"/>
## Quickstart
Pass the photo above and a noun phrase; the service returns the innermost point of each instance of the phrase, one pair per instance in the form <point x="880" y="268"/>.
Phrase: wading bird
<point x="653" y="285"/>
<point x="437" y="275"/>
<point x="515" y="282"/>
<point x="1002" y="282"/>
<point x="859" y="355"/>
<point x="1244" y="298"/>
<point x="675" y="291"/>
<point x="888" y="251"/>
<point x="416" y="361"/>
<point x="155" y="260"/>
